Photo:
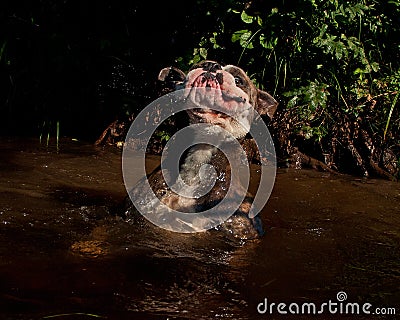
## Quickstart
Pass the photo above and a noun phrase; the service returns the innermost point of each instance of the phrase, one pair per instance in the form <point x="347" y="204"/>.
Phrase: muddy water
<point x="64" y="254"/>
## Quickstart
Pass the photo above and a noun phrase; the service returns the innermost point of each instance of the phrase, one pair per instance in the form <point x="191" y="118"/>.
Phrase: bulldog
<point x="224" y="98"/>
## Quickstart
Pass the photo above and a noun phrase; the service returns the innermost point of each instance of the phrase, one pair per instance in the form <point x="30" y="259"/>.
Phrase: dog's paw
<point x="240" y="226"/>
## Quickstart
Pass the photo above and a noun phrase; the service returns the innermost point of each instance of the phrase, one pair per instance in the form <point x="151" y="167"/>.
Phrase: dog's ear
<point x="266" y="104"/>
<point x="169" y="79"/>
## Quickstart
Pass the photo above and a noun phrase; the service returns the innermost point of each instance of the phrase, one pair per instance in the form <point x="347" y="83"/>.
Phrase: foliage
<point x="325" y="60"/>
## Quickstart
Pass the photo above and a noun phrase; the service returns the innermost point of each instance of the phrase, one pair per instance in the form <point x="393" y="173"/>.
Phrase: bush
<point x="334" y="66"/>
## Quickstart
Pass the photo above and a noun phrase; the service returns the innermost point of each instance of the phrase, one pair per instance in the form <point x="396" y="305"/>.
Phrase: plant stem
<point x="390" y="115"/>
<point x="58" y="135"/>
<point x="247" y="44"/>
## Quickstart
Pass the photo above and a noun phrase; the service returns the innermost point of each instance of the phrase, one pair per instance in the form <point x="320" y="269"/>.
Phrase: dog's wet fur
<point x="234" y="92"/>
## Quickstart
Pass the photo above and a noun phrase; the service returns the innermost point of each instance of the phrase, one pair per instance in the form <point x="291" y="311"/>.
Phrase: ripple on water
<point x="63" y="249"/>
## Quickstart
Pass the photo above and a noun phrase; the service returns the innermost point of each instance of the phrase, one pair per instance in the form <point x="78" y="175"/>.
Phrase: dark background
<point x="83" y="63"/>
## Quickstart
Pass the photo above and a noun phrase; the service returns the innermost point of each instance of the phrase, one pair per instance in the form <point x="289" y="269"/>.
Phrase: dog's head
<point x="221" y="95"/>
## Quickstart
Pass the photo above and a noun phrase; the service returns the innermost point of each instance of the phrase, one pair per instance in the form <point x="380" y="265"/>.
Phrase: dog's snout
<point x="207" y="75"/>
<point x="220" y="78"/>
<point x="211" y="66"/>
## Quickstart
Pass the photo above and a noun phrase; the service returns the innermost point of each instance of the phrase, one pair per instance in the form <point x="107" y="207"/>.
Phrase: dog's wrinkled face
<point x="222" y="95"/>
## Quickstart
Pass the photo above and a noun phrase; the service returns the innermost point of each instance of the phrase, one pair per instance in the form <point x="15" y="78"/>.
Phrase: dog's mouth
<point x="215" y="93"/>
<point x="206" y="111"/>
<point x="215" y="98"/>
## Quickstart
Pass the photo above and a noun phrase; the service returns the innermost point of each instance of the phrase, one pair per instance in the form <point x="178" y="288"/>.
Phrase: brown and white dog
<point x="206" y="85"/>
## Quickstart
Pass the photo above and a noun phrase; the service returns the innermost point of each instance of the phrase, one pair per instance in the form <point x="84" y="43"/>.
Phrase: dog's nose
<point x="211" y="79"/>
<point x="211" y="66"/>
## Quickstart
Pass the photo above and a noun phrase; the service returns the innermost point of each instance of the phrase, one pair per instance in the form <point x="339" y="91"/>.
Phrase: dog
<point x="206" y="85"/>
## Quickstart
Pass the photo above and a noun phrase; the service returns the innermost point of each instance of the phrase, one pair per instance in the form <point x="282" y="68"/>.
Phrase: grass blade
<point x="390" y="115"/>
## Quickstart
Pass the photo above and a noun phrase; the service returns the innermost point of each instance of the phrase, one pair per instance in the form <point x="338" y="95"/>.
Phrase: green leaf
<point x="203" y="52"/>
<point x="246" y="18"/>
<point x="268" y="43"/>
<point x="375" y="66"/>
<point x="213" y="40"/>
<point x="236" y="36"/>
<point x="395" y="2"/>
<point x="243" y="37"/>
<point x="245" y="40"/>
<point x="359" y="71"/>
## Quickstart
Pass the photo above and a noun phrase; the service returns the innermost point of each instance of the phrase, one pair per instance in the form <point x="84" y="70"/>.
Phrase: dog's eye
<point x="239" y="81"/>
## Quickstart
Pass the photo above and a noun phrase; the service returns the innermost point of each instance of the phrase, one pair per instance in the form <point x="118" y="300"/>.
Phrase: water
<point x="65" y="254"/>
